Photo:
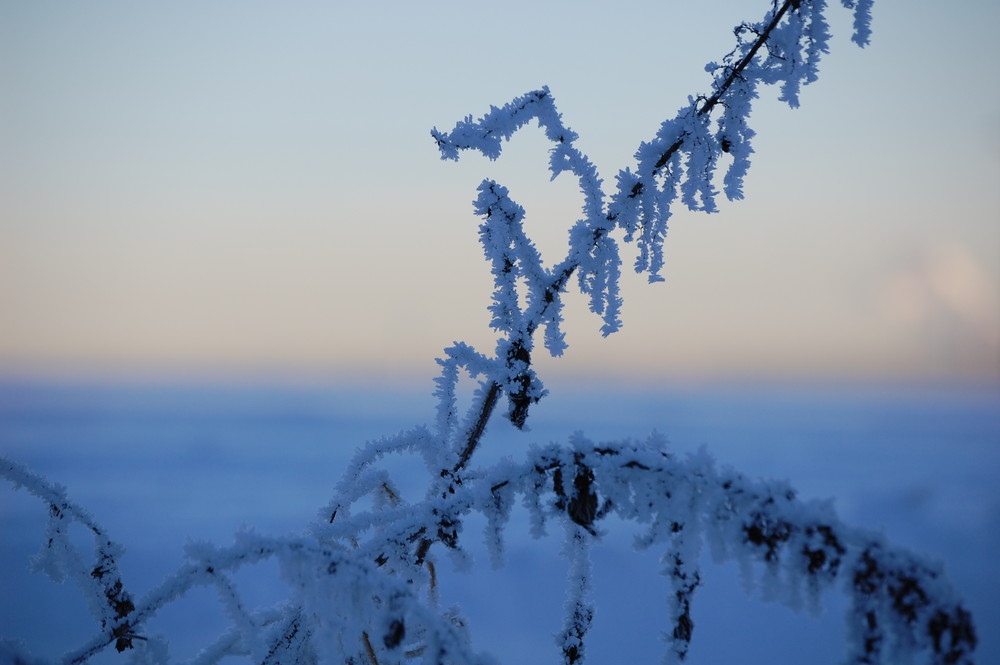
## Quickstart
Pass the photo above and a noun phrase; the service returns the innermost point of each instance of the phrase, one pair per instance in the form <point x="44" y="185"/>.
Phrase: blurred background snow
<point x="160" y="464"/>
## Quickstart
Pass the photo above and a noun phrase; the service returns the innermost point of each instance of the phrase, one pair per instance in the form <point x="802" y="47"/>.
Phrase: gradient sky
<point x="218" y="188"/>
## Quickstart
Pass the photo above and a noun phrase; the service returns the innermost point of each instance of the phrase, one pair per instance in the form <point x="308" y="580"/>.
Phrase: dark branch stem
<point x="493" y="394"/>
<point x="733" y="75"/>
<point x="745" y="61"/>
<point x="476" y="433"/>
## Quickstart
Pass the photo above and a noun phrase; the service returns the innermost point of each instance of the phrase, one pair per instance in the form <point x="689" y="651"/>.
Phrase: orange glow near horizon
<point x="170" y="207"/>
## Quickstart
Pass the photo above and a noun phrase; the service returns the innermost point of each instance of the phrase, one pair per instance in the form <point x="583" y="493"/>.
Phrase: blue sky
<point x="223" y="188"/>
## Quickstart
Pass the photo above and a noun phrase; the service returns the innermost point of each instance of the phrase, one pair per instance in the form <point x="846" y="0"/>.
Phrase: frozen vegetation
<point x="362" y="581"/>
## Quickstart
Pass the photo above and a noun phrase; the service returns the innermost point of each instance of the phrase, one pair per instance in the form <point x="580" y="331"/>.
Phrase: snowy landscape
<point x="203" y="460"/>
<point x="158" y="465"/>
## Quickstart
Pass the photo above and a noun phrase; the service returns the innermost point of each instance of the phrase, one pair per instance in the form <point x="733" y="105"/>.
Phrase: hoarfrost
<point x="362" y="580"/>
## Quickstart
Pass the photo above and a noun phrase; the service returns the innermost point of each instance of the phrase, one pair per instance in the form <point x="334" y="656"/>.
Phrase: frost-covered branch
<point x="681" y="160"/>
<point x="99" y="580"/>
<point x="792" y="550"/>
<point x="354" y="586"/>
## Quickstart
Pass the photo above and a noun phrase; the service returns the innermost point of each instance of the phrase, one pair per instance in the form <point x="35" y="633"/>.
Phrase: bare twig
<point x="369" y="649"/>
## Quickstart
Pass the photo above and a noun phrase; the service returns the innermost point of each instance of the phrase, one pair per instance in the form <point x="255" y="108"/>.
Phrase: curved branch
<point x="539" y="105"/>
<point x="734" y="74"/>
<point x="101" y="583"/>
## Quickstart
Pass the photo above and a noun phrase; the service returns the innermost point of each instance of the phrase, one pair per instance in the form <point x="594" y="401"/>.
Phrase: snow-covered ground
<point x="157" y="465"/>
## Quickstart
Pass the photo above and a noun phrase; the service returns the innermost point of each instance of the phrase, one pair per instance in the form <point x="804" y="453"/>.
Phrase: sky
<point x="194" y="189"/>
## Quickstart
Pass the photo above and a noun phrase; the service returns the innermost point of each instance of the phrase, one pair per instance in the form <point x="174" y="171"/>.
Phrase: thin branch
<point x="736" y="72"/>
<point x="561" y="277"/>
<point x="368" y="648"/>
<point x="476" y="433"/>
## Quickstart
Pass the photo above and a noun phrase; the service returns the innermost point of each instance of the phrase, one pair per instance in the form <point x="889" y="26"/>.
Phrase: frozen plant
<point x="362" y="580"/>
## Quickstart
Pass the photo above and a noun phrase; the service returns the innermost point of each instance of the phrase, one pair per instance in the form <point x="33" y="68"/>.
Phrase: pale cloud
<point x="946" y="296"/>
